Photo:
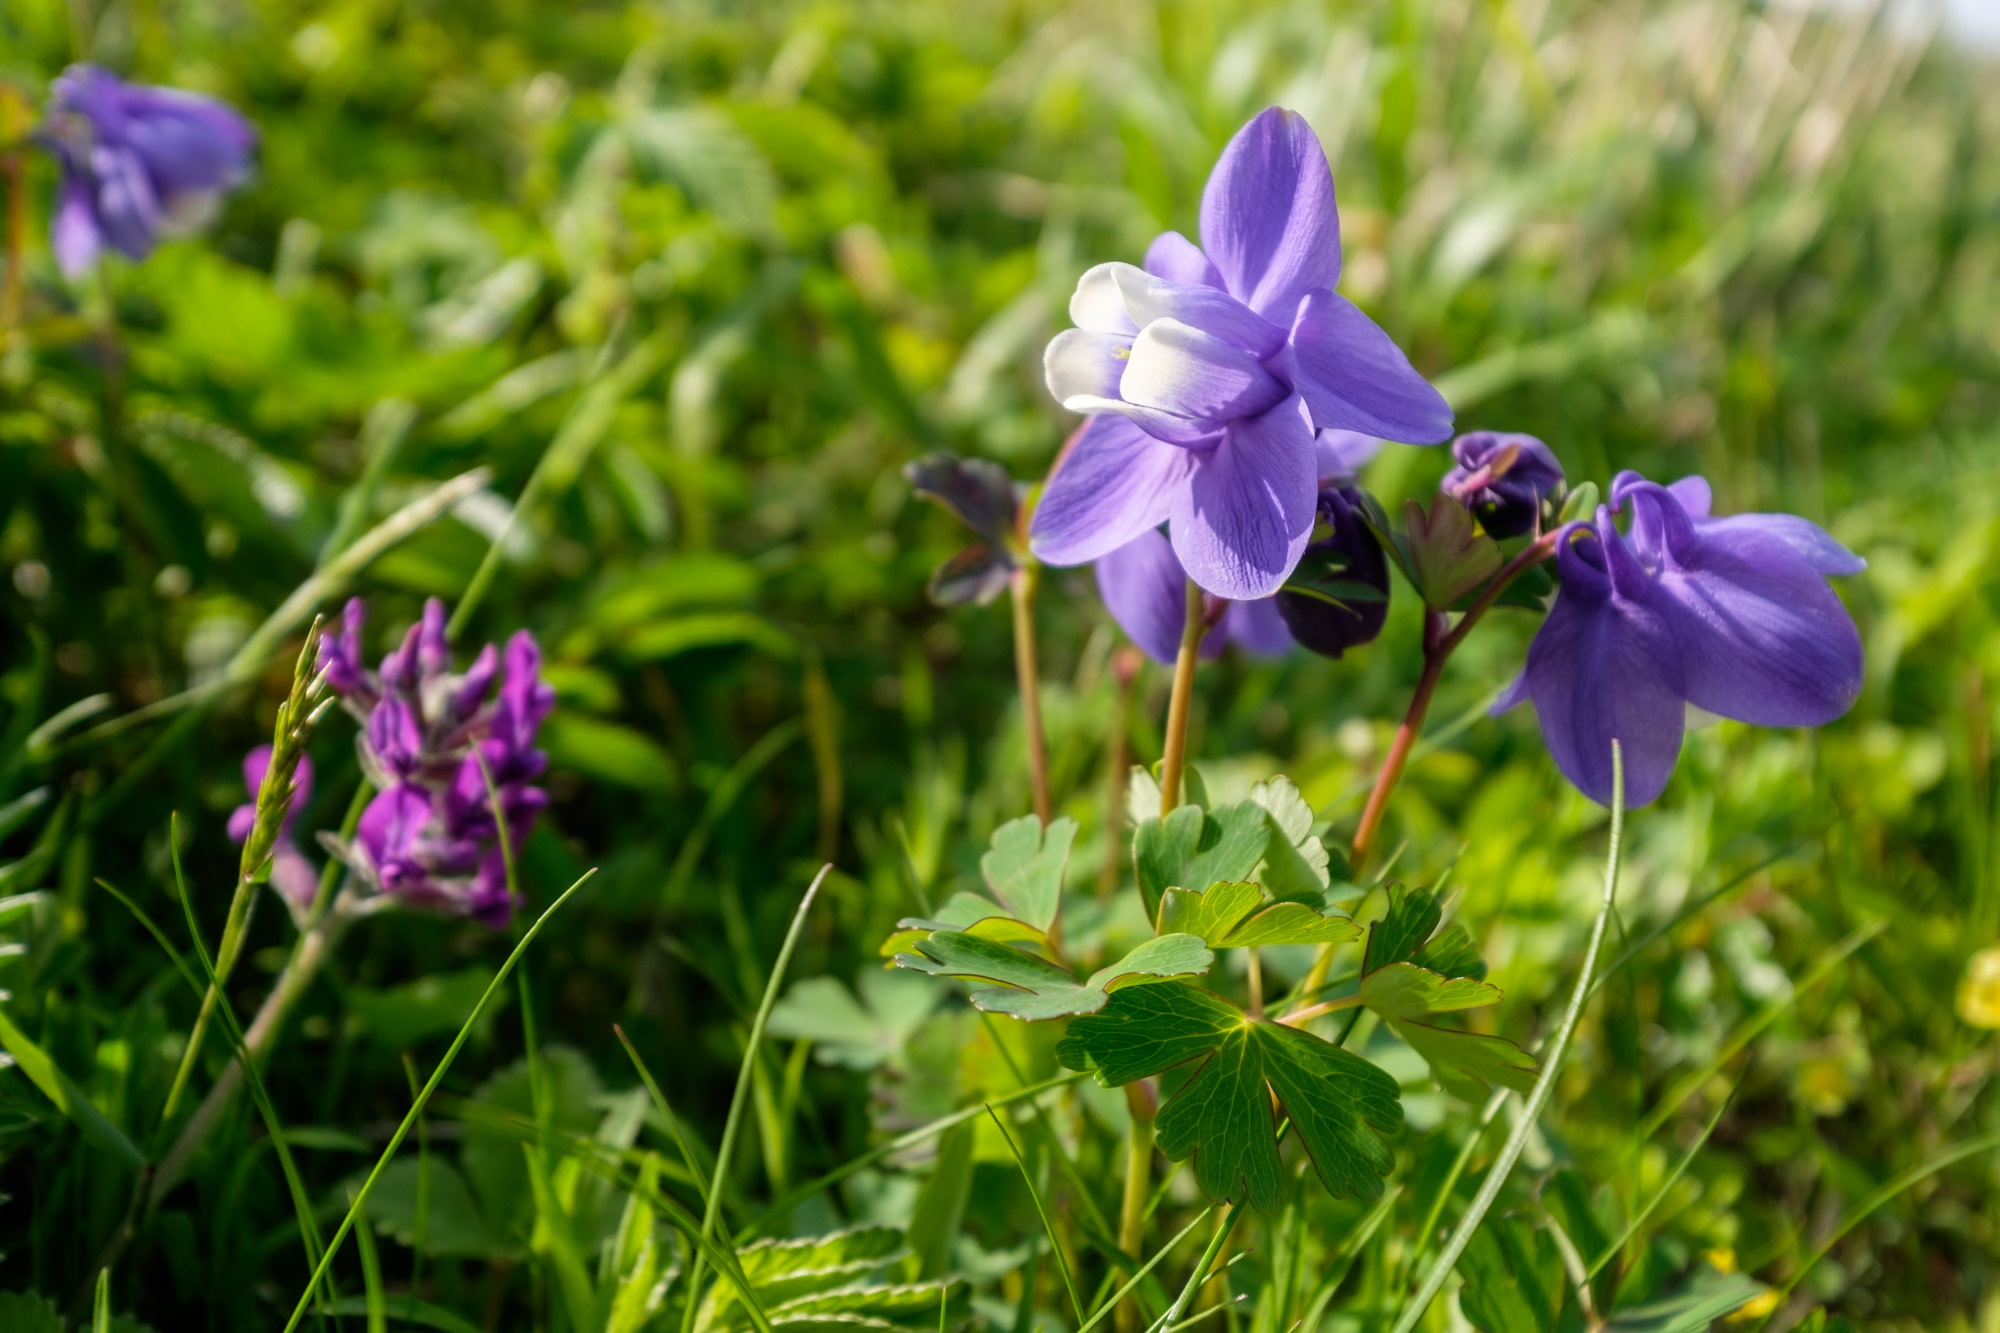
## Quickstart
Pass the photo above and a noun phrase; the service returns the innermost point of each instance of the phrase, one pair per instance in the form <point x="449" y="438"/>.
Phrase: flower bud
<point x="1503" y="479"/>
<point x="1346" y="564"/>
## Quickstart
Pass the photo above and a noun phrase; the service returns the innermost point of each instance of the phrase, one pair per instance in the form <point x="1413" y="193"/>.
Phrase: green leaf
<point x="44" y="1073"/>
<point x="786" y="1270"/>
<point x="398" y="1017"/>
<point x="1025" y="867"/>
<point x="1192" y="848"/>
<point x="1443" y="976"/>
<point x="1465" y="1064"/>
<point x="1339" y="1104"/>
<point x="919" y="1298"/>
<point x="1295" y="862"/>
<point x="1705" y="1299"/>
<point x="1513" y="1277"/>
<point x="1034" y="988"/>
<point x="1226" y="916"/>
<point x="1580" y="504"/>
<point x="1404" y="990"/>
<point x="1449" y="554"/>
<point x="25" y="1312"/>
<point x="860" y="1034"/>
<point x="454" y="1223"/>
<point x="1404" y="935"/>
<point x="608" y="751"/>
<point x="420" y="1313"/>
<point x="939" y="1213"/>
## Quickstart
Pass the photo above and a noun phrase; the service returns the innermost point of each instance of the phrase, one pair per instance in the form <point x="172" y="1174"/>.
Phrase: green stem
<point x="1489" y="1189"/>
<point x="1193" y="627"/>
<point x="734" y="1122"/>
<point x="1021" y="591"/>
<point x="1144" y="1105"/>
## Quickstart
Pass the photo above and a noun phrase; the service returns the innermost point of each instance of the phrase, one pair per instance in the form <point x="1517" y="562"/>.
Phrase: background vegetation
<point x="711" y="275"/>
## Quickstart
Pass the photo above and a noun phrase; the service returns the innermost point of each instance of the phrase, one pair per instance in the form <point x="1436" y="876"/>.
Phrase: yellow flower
<point x="1979" y="992"/>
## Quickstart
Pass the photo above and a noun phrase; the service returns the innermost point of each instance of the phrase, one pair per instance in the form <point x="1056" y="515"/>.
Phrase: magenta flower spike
<point x="1733" y="616"/>
<point x="139" y="163"/>
<point x="1209" y="373"/>
<point x="428" y="838"/>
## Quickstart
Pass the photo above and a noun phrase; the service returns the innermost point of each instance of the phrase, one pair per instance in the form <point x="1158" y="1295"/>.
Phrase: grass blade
<point x="1673" y="1178"/>
<point x="712" y="1206"/>
<point x="1224" y="1224"/>
<point x="437" y="1076"/>
<point x="373" y="1305"/>
<point x="1489" y="1189"/>
<point x="1112" y="1304"/>
<point x="1055" y="1248"/>
<point x="666" y="1111"/>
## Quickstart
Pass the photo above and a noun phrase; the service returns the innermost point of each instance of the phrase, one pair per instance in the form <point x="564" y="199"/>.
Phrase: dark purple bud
<point x="525" y="700"/>
<point x="1503" y="479"/>
<point x="1339" y="595"/>
<point x="401" y="673"/>
<point x="139" y="162"/>
<point x="979" y="493"/>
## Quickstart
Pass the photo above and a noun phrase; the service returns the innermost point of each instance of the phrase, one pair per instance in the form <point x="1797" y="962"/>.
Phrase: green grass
<point x="769" y="254"/>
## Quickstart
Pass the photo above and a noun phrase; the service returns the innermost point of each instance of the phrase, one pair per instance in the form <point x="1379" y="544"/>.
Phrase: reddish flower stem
<point x="1439" y="644"/>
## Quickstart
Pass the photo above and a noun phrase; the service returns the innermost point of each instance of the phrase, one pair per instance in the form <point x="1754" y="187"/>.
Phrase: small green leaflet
<point x="786" y="1271"/>
<point x="1030" y="987"/>
<point x="1339" y="1104"/>
<point x="1295" y="862"/>
<point x="1024" y="869"/>
<point x="1193" y="848"/>
<point x="1448" y="554"/>
<point x="859" y="1033"/>
<point x="1228" y="916"/>
<point x="1410" y="975"/>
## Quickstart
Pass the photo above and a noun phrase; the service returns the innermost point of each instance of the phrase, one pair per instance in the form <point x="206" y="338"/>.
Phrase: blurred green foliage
<point x="711" y="274"/>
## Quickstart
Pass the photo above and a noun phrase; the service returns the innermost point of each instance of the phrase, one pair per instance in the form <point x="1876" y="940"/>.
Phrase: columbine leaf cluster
<point x="1212" y="877"/>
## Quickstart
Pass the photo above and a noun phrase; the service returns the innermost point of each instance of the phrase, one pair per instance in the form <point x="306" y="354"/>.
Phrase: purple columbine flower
<point x="429" y="837"/>
<point x="1732" y="616"/>
<point x="138" y="163"/>
<point x="291" y="874"/>
<point x="1208" y="374"/>
<point x="1145" y="589"/>
<point x="1344" y="552"/>
<point x="1503" y="479"/>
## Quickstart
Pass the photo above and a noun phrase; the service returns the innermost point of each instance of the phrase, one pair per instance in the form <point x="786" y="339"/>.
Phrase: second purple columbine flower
<point x="1733" y="616"/>
<point x="1209" y="371"/>
<point x="139" y="163"/>
<point x="431" y="741"/>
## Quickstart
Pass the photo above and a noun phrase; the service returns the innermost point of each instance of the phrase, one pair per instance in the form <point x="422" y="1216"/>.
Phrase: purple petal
<point x="489" y="902"/>
<point x="255" y="765"/>
<point x="1258" y="628"/>
<point x="1341" y="454"/>
<point x="293" y="875"/>
<point x="1354" y="378"/>
<point x="394" y="737"/>
<point x="1814" y="543"/>
<point x="1166" y="427"/>
<point x="1605" y="666"/>
<point x="433" y="653"/>
<point x="1268" y="220"/>
<point x="241" y="820"/>
<point x="1694" y="495"/>
<point x="1113" y="483"/>
<point x="188" y="142"/>
<point x="1177" y="259"/>
<point x="1080" y="365"/>
<point x="1145" y="590"/>
<point x="128" y="207"/>
<point x="1213" y="311"/>
<point x="1244" y="518"/>
<point x="75" y="234"/>
<point x="1763" y="638"/>
<point x="1177" y="368"/>
<point x="393" y="821"/>
<point x="477" y="680"/>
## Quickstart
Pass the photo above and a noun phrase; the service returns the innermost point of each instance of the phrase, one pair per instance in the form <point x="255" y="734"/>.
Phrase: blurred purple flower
<point x="1347" y="562"/>
<point x="1145" y="589"/>
<point x="139" y="162"/>
<point x="1732" y="616"/>
<point x="1503" y="479"/>
<point x="291" y="874"/>
<point x="1341" y="454"/>
<point x="429" y="838"/>
<point x="1208" y="375"/>
<point x="981" y="495"/>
